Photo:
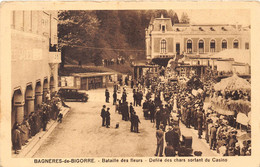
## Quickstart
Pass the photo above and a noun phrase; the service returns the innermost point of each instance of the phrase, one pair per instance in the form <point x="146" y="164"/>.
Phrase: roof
<point x="209" y="28"/>
<point x="239" y="55"/>
<point x="67" y="87"/>
<point x="92" y="74"/>
<point x="157" y="22"/>
<point x="191" y="66"/>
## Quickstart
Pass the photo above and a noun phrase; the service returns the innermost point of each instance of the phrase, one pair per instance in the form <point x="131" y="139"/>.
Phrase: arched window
<point x="189" y="46"/>
<point x="224" y="44"/>
<point x="235" y="44"/>
<point x="201" y="46"/>
<point x="212" y="45"/>
<point x="163" y="46"/>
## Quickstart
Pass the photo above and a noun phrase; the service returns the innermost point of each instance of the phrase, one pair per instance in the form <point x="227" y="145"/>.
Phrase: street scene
<point x="141" y="83"/>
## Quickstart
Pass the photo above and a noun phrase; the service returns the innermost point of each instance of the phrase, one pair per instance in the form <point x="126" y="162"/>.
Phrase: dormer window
<point x="163" y="28"/>
<point x="200" y="29"/>
<point x="223" y="28"/>
<point x="212" y="29"/>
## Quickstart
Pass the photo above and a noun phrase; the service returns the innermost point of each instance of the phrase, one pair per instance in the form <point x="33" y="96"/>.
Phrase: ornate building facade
<point x="164" y="40"/>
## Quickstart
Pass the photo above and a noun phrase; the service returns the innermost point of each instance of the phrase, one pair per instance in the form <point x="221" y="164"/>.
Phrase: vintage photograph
<point x="130" y="83"/>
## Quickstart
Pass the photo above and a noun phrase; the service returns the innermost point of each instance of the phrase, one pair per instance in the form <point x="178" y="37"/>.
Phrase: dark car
<point x="72" y="94"/>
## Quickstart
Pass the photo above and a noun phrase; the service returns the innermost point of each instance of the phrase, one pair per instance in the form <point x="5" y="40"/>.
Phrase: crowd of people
<point x="168" y="104"/>
<point x="109" y="62"/>
<point x="36" y="121"/>
<point x="234" y="95"/>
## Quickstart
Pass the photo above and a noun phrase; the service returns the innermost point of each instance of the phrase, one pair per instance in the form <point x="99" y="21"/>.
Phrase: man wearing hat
<point x="200" y="122"/>
<point x="160" y="141"/>
<point x="213" y="135"/>
<point x="136" y="122"/>
<point x="152" y="111"/>
<point x="107" y="115"/>
<point x="158" y="117"/>
<point x="169" y="136"/>
<point x="107" y="95"/>
<point x="103" y="115"/>
<point x="188" y="117"/>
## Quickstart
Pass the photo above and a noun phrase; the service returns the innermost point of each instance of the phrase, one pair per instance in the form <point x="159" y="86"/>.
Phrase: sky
<point x="217" y="16"/>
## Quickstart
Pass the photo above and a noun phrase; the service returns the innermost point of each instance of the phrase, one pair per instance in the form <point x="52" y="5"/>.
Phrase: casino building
<point x="35" y="59"/>
<point x="165" y="41"/>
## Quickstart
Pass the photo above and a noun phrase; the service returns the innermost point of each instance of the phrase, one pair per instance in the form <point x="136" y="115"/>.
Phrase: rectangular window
<point x="246" y="45"/>
<point x="163" y="29"/>
<point x="178" y="48"/>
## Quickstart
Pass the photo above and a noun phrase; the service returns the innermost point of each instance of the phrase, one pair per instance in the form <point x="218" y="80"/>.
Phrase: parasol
<point x="233" y="83"/>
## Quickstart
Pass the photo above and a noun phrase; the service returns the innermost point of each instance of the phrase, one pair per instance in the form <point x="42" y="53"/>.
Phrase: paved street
<point x="81" y="134"/>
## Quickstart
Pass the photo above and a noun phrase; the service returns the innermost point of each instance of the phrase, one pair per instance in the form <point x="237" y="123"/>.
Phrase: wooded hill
<point x="90" y="36"/>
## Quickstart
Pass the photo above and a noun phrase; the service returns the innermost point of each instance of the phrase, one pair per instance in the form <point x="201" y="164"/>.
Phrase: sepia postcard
<point x="113" y="83"/>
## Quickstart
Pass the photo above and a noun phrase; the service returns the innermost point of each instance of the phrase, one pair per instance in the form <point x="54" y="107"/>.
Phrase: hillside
<point x="90" y="36"/>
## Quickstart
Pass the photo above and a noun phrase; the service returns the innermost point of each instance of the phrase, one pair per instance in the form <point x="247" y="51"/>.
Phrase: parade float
<point x="232" y="98"/>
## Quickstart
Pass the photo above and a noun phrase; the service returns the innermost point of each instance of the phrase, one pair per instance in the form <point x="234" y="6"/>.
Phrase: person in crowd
<point x="44" y="120"/>
<point x="16" y="137"/>
<point x="237" y="149"/>
<point x="200" y="122"/>
<point x="24" y="136"/>
<point x="60" y="116"/>
<point x="152" y="111"/>
<point x="124" y="96"/>
<point x="169" y="151"/>
<point x="132" y="121"/>
<point x="213" y="136"/>
<point x="145" y="109"/>
<point x="132" y="83"/>
<point x="188" y="117"/>
<point x="107" y="95"/>
<point x="117" y="106"/>
<point x="126" y="80"/>
<point x="136" y="122"/>
<point x="103" y="115"/>
<point x="140" y="97"/>
<point x="158" y="117"/>
<point x="164" y="118"/>
<point x="114" y="97"/>
<point x="169" y="136"/>
<point x="107" y="115"/>
<point x="135" y="97"/>
<point x="160" y="141"/>
<point x="131" y="108"/>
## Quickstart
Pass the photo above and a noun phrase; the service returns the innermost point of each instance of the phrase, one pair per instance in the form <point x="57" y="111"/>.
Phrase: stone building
<point x="35" y="59"/>
<point x="165" y="41"/>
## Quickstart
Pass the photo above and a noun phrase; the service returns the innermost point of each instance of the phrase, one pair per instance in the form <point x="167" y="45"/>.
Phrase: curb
<point x="35" y="143"/>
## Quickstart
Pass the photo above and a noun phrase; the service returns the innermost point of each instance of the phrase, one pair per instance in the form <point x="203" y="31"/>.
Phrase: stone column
<point x="19" y="112"/>
<point x="30" y="105"/>
<point x="38" y="97"/>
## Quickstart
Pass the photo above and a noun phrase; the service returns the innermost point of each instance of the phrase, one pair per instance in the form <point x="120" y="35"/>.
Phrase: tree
<point x="175" y="18"/>
<point x="185" y="18"/>
<point x="76" y="28"/>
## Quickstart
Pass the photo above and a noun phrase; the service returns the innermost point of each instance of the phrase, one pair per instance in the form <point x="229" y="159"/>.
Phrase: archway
<point x="29" y="101"/>
<point x="17" y="107"/>
<point x="38" y="94"/>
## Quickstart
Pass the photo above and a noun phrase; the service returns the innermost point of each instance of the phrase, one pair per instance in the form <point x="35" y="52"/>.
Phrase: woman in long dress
<point x="16" y="137"/>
